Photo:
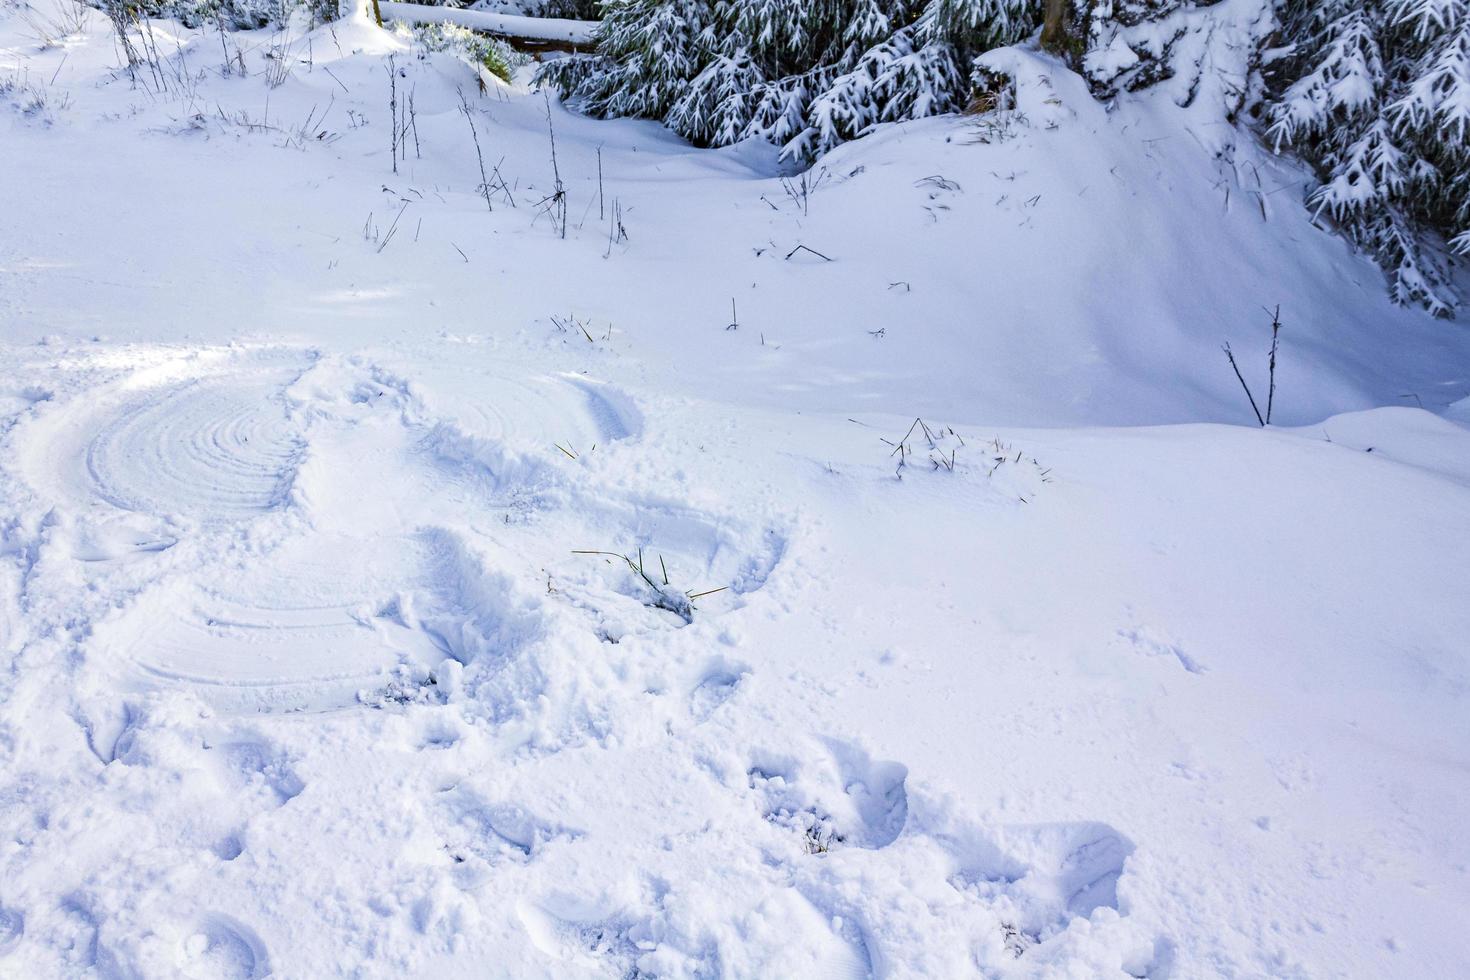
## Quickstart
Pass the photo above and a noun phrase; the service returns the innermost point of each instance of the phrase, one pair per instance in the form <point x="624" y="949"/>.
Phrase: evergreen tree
<point x="804" y="74"/>
<point x="1206" y="54"/>
<point x="1378" y="100"/>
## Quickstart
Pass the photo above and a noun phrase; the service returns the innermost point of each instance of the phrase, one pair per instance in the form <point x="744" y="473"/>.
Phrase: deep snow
<point x="308" y="678"/>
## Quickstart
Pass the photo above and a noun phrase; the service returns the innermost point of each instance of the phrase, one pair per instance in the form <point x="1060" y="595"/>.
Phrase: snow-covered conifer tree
<point x="805" y="74"/>
<point x="1377" y="98"/>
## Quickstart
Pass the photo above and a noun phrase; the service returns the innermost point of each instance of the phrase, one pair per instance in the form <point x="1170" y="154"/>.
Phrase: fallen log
<point x="541" y="32"/>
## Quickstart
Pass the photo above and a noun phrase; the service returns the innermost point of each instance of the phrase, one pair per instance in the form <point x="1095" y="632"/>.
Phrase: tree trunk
<point x="1054" y="27"/>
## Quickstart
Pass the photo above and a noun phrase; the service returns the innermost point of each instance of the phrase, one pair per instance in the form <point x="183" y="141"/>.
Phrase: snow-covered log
<point x="551" y="30"/>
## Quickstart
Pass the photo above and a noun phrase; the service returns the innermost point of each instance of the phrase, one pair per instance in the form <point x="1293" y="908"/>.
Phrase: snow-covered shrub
<point x="491" y="53"/>
<point x="34" y="97"/>
<point x="574" y="9"/>
<point x="1205" y="54"/>
<point x="805" y="75"/>
<point x="1377" y="98"/>
<point x="231" y="14"/>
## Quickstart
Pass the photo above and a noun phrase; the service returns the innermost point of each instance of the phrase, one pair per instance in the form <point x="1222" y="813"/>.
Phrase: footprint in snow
<point x="840" y="798"/>
<point x="229" y="847"/>
<point x="584" y="936"/>
<point x="12" y="929"/>
<point x="718" y="685"/>
<point x="491" y="831"/>
<point x="222" y="948"/>
<point x="254" y="765"/>
<point x="1044" y="875"/>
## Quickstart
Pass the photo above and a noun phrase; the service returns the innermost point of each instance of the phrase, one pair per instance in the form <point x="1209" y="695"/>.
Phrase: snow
<point x="310" y="672"/>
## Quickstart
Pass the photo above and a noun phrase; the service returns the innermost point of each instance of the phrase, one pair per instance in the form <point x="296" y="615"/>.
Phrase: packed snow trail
<point x="467" y="600"/>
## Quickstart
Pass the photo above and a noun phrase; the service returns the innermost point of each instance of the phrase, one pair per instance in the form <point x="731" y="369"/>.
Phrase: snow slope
<point x="311" y="671"/>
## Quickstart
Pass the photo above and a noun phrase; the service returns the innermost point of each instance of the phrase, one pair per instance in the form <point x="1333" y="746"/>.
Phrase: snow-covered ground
<point x="310" y="672"/>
